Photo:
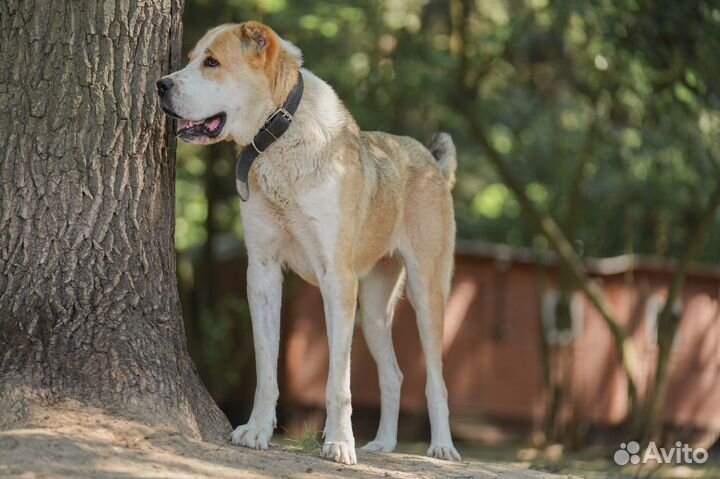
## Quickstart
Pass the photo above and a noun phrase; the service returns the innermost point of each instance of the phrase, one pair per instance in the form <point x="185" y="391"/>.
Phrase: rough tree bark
<point x="89" y="310"/>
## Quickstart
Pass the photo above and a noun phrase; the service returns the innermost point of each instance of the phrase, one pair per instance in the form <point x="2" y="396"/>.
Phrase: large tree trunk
<point x="89" y="310"/>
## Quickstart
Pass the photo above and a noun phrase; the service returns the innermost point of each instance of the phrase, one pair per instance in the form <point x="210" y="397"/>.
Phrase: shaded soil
<point x="88" y="444"/>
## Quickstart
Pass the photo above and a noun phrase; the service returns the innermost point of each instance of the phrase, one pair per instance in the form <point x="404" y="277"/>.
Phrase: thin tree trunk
<point x="89" y="309"/>
<point x="567" y="285"/>
<point x="669" y="319"/>
<point x="569" y="260"/>
<point x="465" y="102"/>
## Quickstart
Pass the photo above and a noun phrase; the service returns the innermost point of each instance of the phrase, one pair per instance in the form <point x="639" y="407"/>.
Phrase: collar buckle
<point x="281" y="111"/>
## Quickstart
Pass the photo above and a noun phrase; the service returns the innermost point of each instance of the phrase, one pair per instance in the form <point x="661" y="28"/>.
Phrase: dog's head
<point x="235" y="77"/>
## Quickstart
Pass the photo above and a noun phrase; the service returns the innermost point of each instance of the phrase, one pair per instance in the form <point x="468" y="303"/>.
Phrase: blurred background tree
<point x="605" y="115"/>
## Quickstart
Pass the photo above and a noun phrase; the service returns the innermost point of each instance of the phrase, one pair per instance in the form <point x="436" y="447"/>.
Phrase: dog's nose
<point x="164" y="85"/>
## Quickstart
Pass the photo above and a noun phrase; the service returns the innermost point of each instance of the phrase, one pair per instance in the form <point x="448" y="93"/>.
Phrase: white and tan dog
<point x="352" y="212"/>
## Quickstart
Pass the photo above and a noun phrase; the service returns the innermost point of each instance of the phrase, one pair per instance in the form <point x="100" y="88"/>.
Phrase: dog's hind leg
<point x="427" y="251"/>
<point x="426" y="296"/>
<point x="379" y="292"/>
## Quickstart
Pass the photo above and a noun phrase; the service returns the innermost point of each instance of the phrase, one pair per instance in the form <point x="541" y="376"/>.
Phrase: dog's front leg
<point x="339" y="291"/>
<point x="264" y="279"/>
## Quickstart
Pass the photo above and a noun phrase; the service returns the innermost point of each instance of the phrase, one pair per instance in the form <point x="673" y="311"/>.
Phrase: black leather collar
<point x="274" y="127"/>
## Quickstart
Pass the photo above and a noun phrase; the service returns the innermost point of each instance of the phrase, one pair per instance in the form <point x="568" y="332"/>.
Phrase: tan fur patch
<point x="281" y="67"/>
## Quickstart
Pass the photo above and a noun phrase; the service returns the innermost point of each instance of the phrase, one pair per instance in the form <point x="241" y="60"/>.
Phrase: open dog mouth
<point x="209" y="127"/>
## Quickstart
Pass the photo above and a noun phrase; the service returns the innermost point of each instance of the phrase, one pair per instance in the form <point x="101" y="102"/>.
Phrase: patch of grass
<point x="308" y="441"/>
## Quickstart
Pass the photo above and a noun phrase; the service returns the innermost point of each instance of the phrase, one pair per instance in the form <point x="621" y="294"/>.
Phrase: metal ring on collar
<point x="270" y="133"/>
<point x="252" y="142"/>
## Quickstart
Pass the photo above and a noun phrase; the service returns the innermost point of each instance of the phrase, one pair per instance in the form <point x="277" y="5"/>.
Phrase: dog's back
<point x="380" y="147"/>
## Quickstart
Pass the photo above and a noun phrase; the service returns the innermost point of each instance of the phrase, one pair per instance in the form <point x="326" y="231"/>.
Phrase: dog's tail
<point x="443" y="149"/>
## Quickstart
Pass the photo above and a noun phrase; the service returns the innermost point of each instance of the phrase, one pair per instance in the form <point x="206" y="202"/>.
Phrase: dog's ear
<point x="280" y="59"/>
<point x="257" y="37"/>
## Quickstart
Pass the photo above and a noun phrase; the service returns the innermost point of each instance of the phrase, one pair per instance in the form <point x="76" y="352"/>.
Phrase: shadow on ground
<point x="71" y="445"/>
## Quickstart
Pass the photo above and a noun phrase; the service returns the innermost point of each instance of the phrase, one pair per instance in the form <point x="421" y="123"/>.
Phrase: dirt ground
<point x="75" y="445"/>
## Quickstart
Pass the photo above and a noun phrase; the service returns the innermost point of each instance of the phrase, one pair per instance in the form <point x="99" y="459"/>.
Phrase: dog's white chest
<point x="314" y="227"/>
<point x="302" y="232"/>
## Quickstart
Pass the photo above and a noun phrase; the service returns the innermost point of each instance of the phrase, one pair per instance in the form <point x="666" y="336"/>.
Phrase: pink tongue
<point x="213" y="124"/>
<point x="182" y="124"/>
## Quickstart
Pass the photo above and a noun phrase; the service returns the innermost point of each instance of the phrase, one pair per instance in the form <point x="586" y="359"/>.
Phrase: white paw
<point x="340" y="451"/>
<point x="447" y="452"/>
<point x="250" y="435"/>
<point x="379" y="446"/>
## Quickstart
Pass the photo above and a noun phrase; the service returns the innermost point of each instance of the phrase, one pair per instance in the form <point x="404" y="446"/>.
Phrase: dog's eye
<point x="211" y="62"/>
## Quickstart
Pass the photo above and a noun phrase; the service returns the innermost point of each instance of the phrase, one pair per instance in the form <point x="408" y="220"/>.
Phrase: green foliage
<point x="544" y="72"/>
<point x="309" y="440"/>
<point x="227" y="340"/>
<point x="190" y="198"/>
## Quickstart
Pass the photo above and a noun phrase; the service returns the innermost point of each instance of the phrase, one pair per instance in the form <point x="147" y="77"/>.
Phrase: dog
<point x="359" y="214"/>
